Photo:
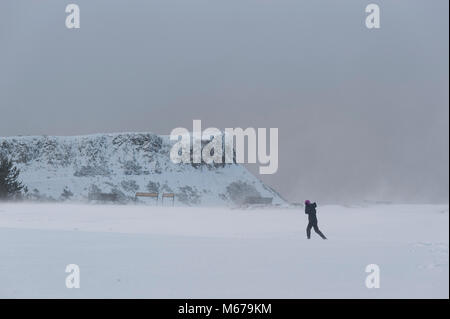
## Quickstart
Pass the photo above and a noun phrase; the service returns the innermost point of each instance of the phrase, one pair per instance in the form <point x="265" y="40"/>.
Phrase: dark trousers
<point x="313" y="224"/>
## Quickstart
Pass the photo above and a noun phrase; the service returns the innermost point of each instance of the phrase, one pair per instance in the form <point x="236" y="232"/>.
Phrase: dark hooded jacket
<point x="310" y="210"/>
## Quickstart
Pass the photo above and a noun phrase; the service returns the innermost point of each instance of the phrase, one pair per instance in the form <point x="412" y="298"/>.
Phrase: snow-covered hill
<point x="82" y="167"/>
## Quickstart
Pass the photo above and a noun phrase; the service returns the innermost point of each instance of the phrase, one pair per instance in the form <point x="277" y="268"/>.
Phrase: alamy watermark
<point x="73" y="279"/>
<point x="73" y="19"/>
<point x="373" y="278"/>
<point x="214" y="146"/>
<point x="372" y="20"/>
<point x="373" y="17"/>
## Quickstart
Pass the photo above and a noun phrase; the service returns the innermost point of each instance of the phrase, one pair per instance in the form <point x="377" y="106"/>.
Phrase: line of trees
<point x="10" y="186"/>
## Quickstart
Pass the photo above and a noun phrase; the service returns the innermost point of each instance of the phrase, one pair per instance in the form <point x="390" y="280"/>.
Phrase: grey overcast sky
<point x="362" y="114"/>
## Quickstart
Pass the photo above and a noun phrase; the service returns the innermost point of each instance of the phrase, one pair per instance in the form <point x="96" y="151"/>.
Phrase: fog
<point x="362" y="114"/>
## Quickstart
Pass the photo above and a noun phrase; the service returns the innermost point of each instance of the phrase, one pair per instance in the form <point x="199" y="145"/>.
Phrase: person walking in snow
<point x="310" y="210"/>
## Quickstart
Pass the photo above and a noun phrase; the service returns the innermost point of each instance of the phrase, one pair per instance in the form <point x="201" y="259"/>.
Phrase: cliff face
<point x="80" y="168"/>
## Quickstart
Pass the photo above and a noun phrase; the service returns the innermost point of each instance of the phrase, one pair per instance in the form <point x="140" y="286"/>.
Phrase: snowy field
<point x="157" y="252"/>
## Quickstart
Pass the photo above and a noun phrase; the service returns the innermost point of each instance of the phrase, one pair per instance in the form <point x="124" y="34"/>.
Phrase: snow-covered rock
<point x="79" y="168"/>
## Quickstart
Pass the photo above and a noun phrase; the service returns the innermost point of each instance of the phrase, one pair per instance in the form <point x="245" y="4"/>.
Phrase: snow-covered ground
<point x="163" y="252"/>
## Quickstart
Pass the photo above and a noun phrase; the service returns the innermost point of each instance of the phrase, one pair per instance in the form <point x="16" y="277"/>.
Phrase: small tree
<point x="66" y="194"/>
<point x="10" y="187"/>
